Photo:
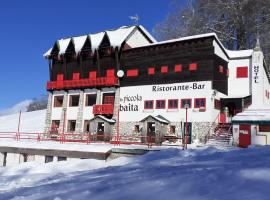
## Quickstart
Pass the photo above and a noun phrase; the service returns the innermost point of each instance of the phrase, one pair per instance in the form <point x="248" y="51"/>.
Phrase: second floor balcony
<point x="104" y="109"/>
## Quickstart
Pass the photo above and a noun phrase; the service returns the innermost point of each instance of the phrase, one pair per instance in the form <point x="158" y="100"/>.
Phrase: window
<point x="164" y="69"/>
<point x="86" y="126"/>
<point x="108" y="98"/>
<point x="160" y="104"/>
<point x="172" y="129"/>
<point x="217" y="104"/>
<point x="241" y="72"/>
<point x="136" y="128"/>
<point x="221" y="69"/>
<point x="132" y="72"/>
<point x="71" y="126"/>
<point x="74" y="100"/>
<point x="149" y="104"/>
<point x="178" y="68"/>
<point x="60" y="158"/>
<point x="199" y="103"/>
<point x="193" y="67"/>
<point x="55" y="126"/>
<point x="90" y="99"/>
<point x="184" y="102"/>
<point x="151" y="70"/>
<point x="173" y="103"/>
<point x="58" y="101"/>
<point x="48" y="159"/>
<point x="264" y="128"/>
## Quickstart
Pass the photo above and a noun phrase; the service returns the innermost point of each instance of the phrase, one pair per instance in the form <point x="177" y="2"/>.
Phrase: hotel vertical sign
<point x="256" y="73"/>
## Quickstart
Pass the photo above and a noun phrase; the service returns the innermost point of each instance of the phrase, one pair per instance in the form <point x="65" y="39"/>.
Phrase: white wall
<point x="139" y="94"/>
<point x="218" y="51"/>
<point x="238" y="87"/>
<point x="137" y="40"/>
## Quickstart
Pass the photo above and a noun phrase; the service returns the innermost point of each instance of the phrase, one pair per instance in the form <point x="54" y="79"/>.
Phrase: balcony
<point x="71" y="84"/>
<point x="105" y="109"/>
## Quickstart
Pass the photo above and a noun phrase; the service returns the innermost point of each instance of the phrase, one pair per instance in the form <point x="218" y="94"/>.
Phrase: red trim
<point x="103" y="109"/>
<point x="204" y="99"/>
<point x="192" y="66"/>
<point x="148" y="102"/>
<point x="178" y="68"/>
<point x="182" y="103"/>
<point x="161" y="100"/>
<point x="227" y="72"/>
<point x="92" y="74"/>
<point x="60" y="77"/>
<point x="110" y="72"/>
<point x="242" y="72"/>
<point x="221" y="69"/>
<point x="171" y="107"/>
<point x="76" y="76"/>
<point x="164" y="69"/>
<point x="151" y="70"/>
<point x="132" y="72"/>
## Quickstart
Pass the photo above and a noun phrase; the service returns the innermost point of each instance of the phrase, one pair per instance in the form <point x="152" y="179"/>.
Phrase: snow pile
<point x="30" y="122"/>
<point x="169" y="174"/>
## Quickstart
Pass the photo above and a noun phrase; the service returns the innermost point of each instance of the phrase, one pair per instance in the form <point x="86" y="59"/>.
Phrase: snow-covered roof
<point x="116" y="38"/>
<point x="239" y="53"/>
<point x="253" y="115"/>
<point x="159" y="118"/>
<point x="104" y="118"/>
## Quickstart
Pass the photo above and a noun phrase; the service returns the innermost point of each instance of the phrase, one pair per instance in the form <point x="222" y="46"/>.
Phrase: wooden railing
<point x="65" y="84"/>
<point x="106" y="109"/>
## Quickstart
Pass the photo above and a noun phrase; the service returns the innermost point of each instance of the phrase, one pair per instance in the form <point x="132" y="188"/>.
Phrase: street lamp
<point x="186" y="106"/>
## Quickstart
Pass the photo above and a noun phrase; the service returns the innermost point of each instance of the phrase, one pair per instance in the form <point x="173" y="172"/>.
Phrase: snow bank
<point x="169" y="174"/>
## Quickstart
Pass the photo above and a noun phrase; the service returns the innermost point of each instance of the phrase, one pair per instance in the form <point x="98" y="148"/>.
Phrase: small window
<point x="242" y="72"/>
<point x="172" y="129"/>
<point x="193" y="67"/>
<point x="132" y="72"/>
<point x="160" y="104"/>
<point x="58" y="101"/>
<point x="221" y="69"/>
<point x="173" y="103"/>
<point x="90" y="99"/>
<point x="60" y="158"/>
<point x="199" y="103"/>
<point x="48" y="159"/>
<point x="55" y="126"/>
<point x="74" y="100"/>
<point x="164" y="69"/>
<point x="149" y="104"/>
<point x="151" y="70"/>
<point x="71" y="126"/>
<point x="86" y="127"/>
<point x="136" y="128"/>
<point x="178" y="68"/>
<point x="217" y="104"/>
<point x="184" y="102"/>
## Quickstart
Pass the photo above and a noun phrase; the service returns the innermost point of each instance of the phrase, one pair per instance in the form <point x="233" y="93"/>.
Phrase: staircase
<point x="221" y="136"/>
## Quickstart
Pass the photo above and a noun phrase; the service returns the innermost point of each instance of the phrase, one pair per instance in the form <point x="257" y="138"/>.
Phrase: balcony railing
<point x="101" y="81"/>
<point x="106" y="109"/>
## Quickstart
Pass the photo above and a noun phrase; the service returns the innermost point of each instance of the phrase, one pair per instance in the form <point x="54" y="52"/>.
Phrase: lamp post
<point x="186" y="127"/>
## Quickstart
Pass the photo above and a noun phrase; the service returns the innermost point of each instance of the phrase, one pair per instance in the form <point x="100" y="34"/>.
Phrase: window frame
<point x="145" y="108"/>
<point x="195" y="105"/>
<point x="182" y="103"/>
<point x="161" y="100"/>
<point x="170" y="107"/>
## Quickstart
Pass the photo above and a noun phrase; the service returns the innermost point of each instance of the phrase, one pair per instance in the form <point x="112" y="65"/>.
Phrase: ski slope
<point x="198" y="174"/>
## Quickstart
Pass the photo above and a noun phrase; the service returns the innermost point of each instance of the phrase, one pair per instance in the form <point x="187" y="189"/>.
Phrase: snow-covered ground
<point x="201" y="174"/>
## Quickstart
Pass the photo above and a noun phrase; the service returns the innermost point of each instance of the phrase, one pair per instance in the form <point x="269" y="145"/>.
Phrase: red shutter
<point x="132" y="72"/>
<point x="110" y="72"/>
<point x="242" y="72"/>
<point x="164" y="69"/>
<point x="60" y="77"/>
<point x="193" y="66"/>
<point x="76" y="76"/>
<point x="92" y="74"/>
<point x="151" y="70"/>
<point x="178" y="68"/>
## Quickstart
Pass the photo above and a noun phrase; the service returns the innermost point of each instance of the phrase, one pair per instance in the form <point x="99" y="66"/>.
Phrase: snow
<point x="96" y="40"/>
<point x="79" y="42"/>
<point x="30" y="122"/>
<point x="239" y="53"/>
<point x="63" y="44"/>
<point x="16" y="108"/>
<point x="118" y="36"/>
<point x="203" y="174"/>
<point x="106" y="119"/>
<point x="259" y="115"/>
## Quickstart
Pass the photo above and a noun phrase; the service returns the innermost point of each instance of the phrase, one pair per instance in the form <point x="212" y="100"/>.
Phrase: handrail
<point x="211" y="127"/>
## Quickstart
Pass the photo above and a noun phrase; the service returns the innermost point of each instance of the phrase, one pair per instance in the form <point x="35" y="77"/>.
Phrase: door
<point x="244" y="135"/>
<point x="151" y="130"/>
<point x="189" y="131"/>
<point x="100" y="131"/>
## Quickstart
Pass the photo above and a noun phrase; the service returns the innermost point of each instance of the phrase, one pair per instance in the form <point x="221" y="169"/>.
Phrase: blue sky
<point x="29" y="28"/>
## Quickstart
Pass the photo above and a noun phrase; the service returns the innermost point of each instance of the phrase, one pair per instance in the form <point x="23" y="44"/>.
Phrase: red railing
<point x="106" y="109"/>
<point x="100" y="81"/>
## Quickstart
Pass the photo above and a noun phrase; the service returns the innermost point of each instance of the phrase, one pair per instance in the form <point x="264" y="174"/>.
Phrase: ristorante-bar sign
<point x="186" y="86"/>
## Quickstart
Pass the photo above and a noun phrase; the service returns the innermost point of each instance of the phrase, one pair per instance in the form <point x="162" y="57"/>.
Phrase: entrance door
<point x="151" y="130"/>
<point x="100" y="131"/>
<point x="244" y="135"/>
<point x="189" y="128"/>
